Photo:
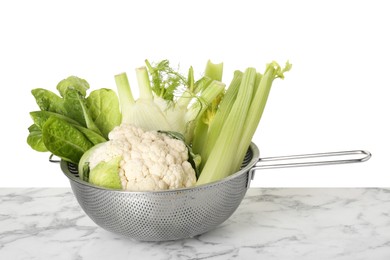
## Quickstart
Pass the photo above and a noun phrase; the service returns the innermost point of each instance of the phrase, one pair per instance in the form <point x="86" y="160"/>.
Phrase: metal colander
<point x="175" y="214"/>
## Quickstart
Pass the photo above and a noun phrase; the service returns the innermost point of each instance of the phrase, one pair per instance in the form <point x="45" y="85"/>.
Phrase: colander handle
<point x="53" y="160"/>
<point x="314" y="159"/>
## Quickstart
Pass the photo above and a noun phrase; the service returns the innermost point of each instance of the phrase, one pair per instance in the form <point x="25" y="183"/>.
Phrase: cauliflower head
<point x="138" y="160"/>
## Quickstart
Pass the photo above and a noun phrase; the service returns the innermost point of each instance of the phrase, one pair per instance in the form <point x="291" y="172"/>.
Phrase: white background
<point x="336" y="97"/>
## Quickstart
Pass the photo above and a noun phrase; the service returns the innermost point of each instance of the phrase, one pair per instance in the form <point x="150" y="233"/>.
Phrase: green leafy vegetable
<point x="92" y="136"/>
<point x="217" y="124"/>
<point x="64" y="140"/>
<point x="40" y="118"/>
<point x="76" y="108"/>
<point x="103" y="105"/>
<point x="48" y="101"/>
<point x="34" y="139"/>
<point x="75" y="83"/>
<point x="72" y="122"/>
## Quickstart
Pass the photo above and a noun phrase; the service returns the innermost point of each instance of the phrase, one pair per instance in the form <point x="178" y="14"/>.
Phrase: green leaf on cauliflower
<point x="105" y="174"/>
<point x="83" y="165"/>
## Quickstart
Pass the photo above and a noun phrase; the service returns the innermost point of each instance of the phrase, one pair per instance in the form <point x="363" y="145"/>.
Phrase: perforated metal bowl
<point x="163" y="215"/>
<point x="172" y="214"/>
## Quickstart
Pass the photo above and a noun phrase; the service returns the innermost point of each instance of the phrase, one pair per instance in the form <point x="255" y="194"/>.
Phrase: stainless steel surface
<point x="303" y="160"/>
<point x="321" y="159"/>
<point x="171" y="214"/>
<point x="163" y="215"/>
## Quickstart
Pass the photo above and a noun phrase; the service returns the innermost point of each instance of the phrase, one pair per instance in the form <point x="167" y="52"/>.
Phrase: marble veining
<point x="279" y="223"/>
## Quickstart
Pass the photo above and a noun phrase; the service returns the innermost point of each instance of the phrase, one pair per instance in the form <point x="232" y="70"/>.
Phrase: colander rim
<point x="252" y="162"/>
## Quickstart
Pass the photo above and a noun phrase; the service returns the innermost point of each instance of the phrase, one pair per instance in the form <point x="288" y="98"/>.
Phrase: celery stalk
<point x="214" y="70"/>
<point x="222" y="113"/>
<point x="220" y="162"/>
<point x="197" y="109"/>
<point x="206" y="97"/>
<point x="256" y="109"/>
<point x="200" y="135"/>
<point x="257" y="82"/>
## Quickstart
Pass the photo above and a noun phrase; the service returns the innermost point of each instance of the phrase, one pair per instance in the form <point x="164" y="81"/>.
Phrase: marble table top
<point x="270" y="223"/>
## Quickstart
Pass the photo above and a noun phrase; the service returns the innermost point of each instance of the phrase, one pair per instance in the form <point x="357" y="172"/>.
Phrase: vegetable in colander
<point x="217" y="124"/>
<point x="225" y="151"/>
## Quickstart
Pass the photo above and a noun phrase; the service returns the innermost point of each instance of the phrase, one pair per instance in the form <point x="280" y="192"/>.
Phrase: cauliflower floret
<point x="149" y="160"/>
<point x="107" y="151"/>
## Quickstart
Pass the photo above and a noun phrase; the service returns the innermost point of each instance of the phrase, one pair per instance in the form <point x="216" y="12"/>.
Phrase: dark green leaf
<point x="40" y="118"/>
<point x="64" y="140"/>
<point x="76" y="108"/>
<point x="92" y="136"/>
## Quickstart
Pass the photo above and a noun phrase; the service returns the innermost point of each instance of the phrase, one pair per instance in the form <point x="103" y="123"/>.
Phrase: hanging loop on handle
<point x="54" y="160"/>
<point x="314" y="159"/>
